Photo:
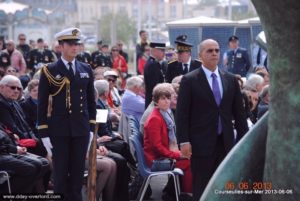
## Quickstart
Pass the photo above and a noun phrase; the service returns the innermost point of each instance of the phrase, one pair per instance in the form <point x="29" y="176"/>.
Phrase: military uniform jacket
<point x="175" y="69"/>
<point x="154" y="73"/>
<point x="238" y="61"/>
<point x="35" y="57"/>
<point x="84" y="57"/>
<point x="73" y="101"/>
<point x="4" y="59"/>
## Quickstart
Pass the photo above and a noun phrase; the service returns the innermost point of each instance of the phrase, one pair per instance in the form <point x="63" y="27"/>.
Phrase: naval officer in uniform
<point x="185" y="63"/>
<point x="72" y="118"/>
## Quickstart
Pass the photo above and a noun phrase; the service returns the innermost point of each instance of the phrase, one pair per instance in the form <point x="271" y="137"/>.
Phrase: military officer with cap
<point x="83" y="55"/>
<point x="39" y="56"/>
<point x="103" y="59"/>
<point x="184" y="64"/>
<point x="155" y="69"/>
<point x="238" y="58"/>
<point x="73" y="112"/>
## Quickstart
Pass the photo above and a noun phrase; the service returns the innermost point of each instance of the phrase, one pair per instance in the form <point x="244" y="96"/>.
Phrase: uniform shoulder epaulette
<point x="172" y="62"/>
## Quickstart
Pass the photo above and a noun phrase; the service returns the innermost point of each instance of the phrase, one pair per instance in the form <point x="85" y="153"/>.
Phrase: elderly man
<point x="132" y="103"/>
<point x="70" y="83"/>
<point x="155" y="69"/>
<point x="209" y="99"/>
<point x="184" y="64"/>
<point x="16" y="58"/>
<point x="12" y="115"/>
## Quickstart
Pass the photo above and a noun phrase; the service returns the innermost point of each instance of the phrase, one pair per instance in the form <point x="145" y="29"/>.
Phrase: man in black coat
<point x="70" y="83"/>
<point x="184" y="64"/>
<point x="155" y="69"/>
<point x="238" y="58"/>
<point x="208" y="102"/>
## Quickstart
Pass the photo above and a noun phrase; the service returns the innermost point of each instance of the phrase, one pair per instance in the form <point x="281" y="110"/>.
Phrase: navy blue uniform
<point x="154" y="74"/>
<point x="175" y="69"/>
<point x="72" y="118"/>
<point x="238" y="61"/>
<point x="36" y="56"/>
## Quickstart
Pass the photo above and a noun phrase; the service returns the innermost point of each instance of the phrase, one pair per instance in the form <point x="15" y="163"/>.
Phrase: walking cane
<point x="92" y="167"/>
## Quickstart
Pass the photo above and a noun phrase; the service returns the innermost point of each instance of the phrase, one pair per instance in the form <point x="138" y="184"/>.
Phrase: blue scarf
<point x="170" y="125"/>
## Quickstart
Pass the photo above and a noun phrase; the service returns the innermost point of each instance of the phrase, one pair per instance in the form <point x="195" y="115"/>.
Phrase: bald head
<point x="209" y="53"/>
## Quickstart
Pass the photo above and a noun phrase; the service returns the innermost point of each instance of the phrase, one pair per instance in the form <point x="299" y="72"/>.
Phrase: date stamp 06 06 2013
<point x="247" y="188"/>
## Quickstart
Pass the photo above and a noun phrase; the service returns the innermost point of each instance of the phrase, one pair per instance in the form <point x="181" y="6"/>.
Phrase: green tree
<point x="124" y="27"/>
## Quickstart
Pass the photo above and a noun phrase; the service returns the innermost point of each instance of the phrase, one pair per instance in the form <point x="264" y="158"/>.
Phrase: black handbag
<point x="163" y="164"/>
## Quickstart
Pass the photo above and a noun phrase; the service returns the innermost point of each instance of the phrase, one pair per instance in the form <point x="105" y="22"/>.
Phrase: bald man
<point x="209" y="99"/>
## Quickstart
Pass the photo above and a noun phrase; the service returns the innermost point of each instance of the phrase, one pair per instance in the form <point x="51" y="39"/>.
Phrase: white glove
<point x="90" y="141"/>
<point x="48" y="145"/>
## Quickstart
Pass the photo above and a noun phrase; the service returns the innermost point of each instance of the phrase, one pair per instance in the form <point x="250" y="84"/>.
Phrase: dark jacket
<point x="239" y="62"/>
<point x="13" y="117"/>
<point x="197" y="113"/>
<point x="175" y="69"/>
<point x="73" y="105"/>
<point x="154" y="73"/>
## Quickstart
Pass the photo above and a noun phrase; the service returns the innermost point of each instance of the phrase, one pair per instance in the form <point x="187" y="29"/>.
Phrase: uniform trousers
<point x="69" y="154"/>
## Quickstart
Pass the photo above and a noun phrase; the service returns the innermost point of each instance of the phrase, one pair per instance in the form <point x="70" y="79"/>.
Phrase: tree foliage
<point x="124" y="27"/>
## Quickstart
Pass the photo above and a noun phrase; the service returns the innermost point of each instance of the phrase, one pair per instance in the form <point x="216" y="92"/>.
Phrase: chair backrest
<point x="136" y="139"/>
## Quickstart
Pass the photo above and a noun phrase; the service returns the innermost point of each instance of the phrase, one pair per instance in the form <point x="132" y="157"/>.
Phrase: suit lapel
<point x="224" y="84"/>
<point x="206" y="87"/>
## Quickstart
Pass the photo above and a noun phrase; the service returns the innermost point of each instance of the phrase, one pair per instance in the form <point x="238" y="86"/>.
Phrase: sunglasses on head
<point x="212" y="50"/>
<point x="14" y="87"/>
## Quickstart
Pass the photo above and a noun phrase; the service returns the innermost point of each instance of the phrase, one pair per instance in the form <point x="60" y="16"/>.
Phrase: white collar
<point x="66" y="62"/>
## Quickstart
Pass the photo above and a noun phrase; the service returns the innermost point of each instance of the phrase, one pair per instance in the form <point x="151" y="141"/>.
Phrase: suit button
<point x="80" y="90"/>
<point x="81" y="105"/>
<point x="81" y="97"/>
<point x="81" y="111"/>
<point x="70" y="111"/>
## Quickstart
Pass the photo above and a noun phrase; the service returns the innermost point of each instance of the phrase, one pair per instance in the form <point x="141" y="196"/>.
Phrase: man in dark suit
<point x="184" y="64"/>
<point x="238" y="58"/>
<point x="70" y="84"/>
<point x="155" y="69"/>
<point x="208" y="101"/>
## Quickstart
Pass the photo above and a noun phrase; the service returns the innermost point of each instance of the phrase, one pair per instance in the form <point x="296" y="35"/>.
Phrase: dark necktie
<point x="71" y="69"/>
<point x="217" y="95"/>
<point x="185" y="70"/>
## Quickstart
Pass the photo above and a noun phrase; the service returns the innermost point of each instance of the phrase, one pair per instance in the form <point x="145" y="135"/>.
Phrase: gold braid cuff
<point x="92" y="121"/>
<point x="59" y="82"/>
<point x="42" y="127"/>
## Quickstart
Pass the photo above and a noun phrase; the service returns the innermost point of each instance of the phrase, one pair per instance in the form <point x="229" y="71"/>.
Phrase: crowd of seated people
<point x="28" y="162"/>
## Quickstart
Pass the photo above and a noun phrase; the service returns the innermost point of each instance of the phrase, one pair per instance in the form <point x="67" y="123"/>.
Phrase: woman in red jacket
<point x="119" y="64"/>
<point x="159" y="135"/>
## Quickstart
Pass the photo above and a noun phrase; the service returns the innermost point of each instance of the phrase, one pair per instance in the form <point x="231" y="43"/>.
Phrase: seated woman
<point x="29" y="105"/>
<point x="159" y="135"/>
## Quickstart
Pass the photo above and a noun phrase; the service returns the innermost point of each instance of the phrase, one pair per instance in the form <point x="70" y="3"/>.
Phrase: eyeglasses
<point x="211" y="50"/>
<point x="11" y="71"/>
<point x="14" y="87"/>
<point x="114" y="50"/>
<point x="111" y="80"/>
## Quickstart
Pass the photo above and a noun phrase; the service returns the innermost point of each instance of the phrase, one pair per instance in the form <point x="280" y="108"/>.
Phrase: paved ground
<point x="157" y="185"/>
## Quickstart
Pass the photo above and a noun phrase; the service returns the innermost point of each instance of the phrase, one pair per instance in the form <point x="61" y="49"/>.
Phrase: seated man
<point x="111" y="140"/>
<point x="26" y="170"/>
<point x="12" y="115"/>
<point x="132" y="103"/>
